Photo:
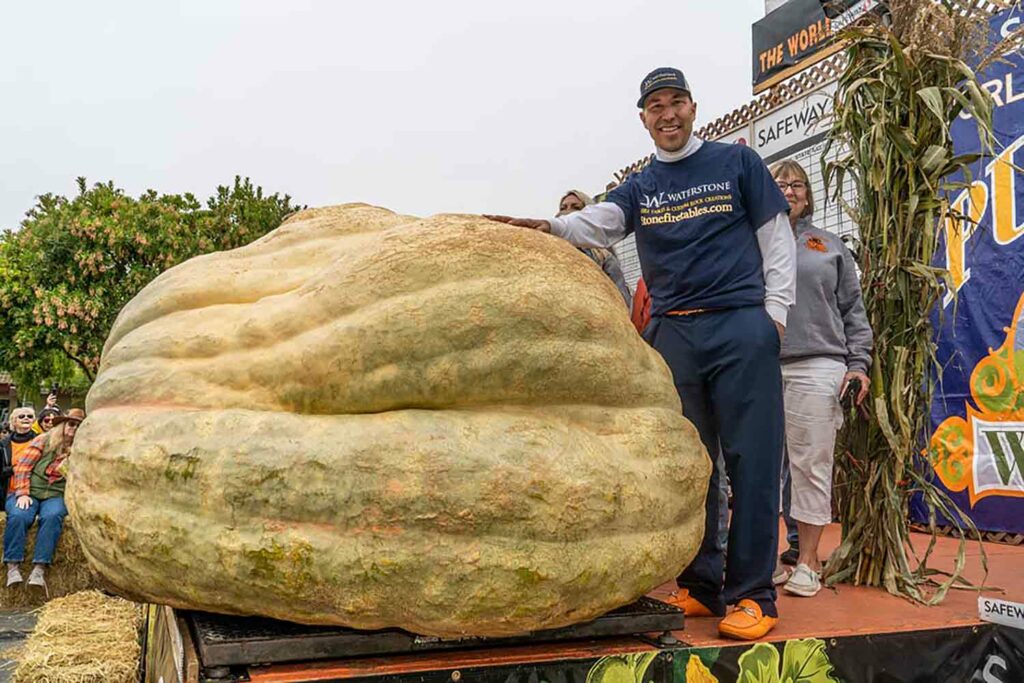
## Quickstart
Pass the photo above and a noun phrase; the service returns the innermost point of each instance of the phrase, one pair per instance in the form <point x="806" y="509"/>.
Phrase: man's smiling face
<point x="668" y="115"/>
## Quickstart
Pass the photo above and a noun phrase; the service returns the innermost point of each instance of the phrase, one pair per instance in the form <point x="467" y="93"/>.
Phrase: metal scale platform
<point x="224" y="641"/>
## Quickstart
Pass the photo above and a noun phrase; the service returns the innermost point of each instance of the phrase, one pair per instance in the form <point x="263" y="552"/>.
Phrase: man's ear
<point x="643" y="119"/>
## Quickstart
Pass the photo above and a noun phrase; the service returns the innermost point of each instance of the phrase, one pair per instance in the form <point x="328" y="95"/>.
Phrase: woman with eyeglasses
<point x="11" y="446"/>
<point x="827" y="346"/>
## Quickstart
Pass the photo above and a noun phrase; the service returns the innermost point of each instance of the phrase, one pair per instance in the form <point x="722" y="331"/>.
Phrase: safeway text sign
<point x="1001" y="612"/>
<point x="795" y="125"/>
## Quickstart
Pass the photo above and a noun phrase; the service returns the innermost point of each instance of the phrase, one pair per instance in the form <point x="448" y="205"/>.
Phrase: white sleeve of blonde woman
<point x="597" y="225"/>
<point x="778" y="260"/>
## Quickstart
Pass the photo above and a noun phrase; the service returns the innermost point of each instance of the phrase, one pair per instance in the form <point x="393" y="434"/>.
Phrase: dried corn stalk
<point x="905" y="83"/>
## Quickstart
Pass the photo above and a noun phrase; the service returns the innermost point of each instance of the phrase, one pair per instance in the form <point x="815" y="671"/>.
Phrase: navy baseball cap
<point x="663" y="77"/>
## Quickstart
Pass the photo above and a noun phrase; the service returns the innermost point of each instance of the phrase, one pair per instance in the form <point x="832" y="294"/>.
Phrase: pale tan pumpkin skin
<point x="365" y="419"/>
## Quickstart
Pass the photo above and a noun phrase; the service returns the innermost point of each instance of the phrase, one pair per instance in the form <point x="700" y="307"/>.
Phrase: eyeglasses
<point x="24" y="417"/>
<point x="796" y="185"/>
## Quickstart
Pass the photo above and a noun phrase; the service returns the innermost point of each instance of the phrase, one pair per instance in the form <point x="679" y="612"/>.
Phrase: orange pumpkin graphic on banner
<point x="984" y="452"/>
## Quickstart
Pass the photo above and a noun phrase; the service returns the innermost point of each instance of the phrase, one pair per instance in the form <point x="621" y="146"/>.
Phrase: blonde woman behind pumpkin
<point x="574" y="200"/>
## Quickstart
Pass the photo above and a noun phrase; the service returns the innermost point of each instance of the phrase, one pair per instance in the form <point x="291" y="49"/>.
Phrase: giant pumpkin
<point x="445" y="425"/>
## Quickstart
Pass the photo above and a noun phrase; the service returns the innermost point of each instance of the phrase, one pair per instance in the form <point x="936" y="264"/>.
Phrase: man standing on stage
<point x="718" y="257"/>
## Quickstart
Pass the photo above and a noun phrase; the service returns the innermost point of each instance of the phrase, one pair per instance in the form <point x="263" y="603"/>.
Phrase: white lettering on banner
<point x="1003" y="90"/>
<point x="988" y="674"/>
<point x="1001" y="612"/>
<point x="1009" y="26"/>
<point x="998" y="456"/>
<point x="657" y="200"/>
<point x="792" y="124"/>
<point x="852" y="14"/>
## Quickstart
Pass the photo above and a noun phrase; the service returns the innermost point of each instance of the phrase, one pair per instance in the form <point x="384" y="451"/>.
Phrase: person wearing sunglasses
<point x="826" y="349"/>
<point x="11" y="446"/>
<point x="38" y="485"/>
<point x="45" y="422"/>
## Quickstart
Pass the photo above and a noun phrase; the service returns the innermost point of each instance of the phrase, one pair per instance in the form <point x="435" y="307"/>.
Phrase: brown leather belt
<point x="692" y="311"/>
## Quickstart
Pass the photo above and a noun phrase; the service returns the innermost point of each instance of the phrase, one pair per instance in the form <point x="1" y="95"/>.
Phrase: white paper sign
<point x="1001" y="612"/>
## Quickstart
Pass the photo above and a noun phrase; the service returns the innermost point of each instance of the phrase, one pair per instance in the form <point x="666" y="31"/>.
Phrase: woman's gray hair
<point x="20" y="411"/>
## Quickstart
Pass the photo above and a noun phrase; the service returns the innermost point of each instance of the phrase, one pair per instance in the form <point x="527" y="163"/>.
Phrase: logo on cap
<point x="663" y="77"/>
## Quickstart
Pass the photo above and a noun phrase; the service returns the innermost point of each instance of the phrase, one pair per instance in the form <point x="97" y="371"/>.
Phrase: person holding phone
<point x="826" y="350"/>
<point x="51" y="400"/>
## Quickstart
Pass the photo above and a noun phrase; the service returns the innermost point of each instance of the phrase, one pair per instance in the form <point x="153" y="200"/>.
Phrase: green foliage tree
<point x="73" y="265"/>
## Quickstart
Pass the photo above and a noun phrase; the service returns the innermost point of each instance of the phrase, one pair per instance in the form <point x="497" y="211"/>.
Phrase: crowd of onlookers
<point x="35" y="449"/>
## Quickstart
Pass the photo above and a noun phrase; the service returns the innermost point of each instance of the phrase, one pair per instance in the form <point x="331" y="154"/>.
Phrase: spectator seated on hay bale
<point x="69" y="573"/>
<point x="38" y="491"/>
<point x="11" y="446"/>
<point x="85" y="636"/>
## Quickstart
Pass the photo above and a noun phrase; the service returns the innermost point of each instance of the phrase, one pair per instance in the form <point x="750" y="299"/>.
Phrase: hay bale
<point x="86" y="637"/>
<point x="69" y="573"/>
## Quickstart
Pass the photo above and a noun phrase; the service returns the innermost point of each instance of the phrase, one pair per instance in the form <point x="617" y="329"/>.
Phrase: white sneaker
<point x="13" y="576"/>
<point x="804" y="582"/>
<point x="781" y="574"/>
<point x="37" y="577"/>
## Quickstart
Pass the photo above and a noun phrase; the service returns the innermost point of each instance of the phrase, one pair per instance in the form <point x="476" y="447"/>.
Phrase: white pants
<point x="813" y="415"/>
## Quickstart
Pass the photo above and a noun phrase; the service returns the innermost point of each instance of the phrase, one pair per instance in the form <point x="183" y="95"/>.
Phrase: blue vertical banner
<point x="977" y="413"/>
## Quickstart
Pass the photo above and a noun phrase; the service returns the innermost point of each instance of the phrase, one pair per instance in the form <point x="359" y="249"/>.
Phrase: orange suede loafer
<point x="746" y="622"/>
<point x="690" y="606"/>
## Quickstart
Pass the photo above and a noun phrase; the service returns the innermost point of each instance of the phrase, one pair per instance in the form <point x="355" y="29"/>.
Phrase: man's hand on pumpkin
<point x="531" y="223"/>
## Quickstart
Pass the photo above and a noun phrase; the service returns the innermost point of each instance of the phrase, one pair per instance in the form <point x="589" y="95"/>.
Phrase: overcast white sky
<point x="422" y="107"/>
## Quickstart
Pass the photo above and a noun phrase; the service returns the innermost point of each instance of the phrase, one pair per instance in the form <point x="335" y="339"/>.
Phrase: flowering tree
<point x="76" y="262"/>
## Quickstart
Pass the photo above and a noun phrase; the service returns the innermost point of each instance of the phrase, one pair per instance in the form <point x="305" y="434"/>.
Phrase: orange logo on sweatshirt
<point x="816" y="244"/>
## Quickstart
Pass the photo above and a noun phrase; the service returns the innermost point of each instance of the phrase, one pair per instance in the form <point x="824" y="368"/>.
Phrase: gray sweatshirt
<point x="828" y="318"/>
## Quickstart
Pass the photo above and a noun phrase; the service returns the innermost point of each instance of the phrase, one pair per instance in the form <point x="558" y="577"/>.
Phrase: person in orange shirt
<point x="11" y="446"/>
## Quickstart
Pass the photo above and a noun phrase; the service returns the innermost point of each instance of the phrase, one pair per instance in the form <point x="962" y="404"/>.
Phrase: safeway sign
<point x="794" y="126"/>
<point x="1001" y="612"/>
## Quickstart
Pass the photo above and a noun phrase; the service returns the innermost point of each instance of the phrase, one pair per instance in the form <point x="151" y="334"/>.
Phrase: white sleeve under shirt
<point x="604" y="224"/>
<point x="778" y="263"/>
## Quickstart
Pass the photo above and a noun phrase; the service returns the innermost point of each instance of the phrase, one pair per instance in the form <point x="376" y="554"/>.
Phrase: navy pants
<point x="725" y="365"/>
